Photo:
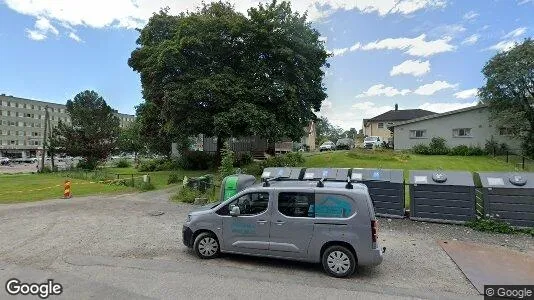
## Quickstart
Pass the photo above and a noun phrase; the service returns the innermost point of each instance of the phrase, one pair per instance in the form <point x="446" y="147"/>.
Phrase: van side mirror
<point x="235" y="211"/>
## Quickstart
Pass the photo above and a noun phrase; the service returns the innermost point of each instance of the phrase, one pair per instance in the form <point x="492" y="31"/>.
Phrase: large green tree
<point x="327" y="131"/>
<point x="220" y="73"/>
<point x="93" y="131"/>
<point x="509" y="91"/>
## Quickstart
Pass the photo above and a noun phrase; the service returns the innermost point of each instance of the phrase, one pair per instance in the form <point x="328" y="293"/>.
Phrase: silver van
<point x="332" y="223"/>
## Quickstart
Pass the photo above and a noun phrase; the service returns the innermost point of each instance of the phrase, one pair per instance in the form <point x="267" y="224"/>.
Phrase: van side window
<point x="249" y="204"/>
<point x="333" y="206"/>
<point x="296" y="204"/>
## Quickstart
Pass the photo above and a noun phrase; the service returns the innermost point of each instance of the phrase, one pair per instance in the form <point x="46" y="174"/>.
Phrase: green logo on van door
<point x="333" y="207"/>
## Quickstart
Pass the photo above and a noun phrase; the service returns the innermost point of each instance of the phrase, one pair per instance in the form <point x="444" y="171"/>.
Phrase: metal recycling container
<point x="509" y="197"/>
<point x="442" y="196"/>
<point x="234" y="184"/>
<point x="328" y="174"/>
<point x="282" y="173"/>
<point x="386" y="188"/>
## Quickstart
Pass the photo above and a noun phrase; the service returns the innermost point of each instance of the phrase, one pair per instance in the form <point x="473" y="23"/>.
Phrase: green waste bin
<point x="233" y="184"/>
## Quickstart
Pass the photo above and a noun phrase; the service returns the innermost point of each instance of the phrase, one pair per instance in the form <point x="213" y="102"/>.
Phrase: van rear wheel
<point x="338" y="261"/>
<point x="206" y="245"/>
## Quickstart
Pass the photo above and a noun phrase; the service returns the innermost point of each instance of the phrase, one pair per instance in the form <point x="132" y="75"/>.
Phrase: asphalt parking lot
<point x="112" y="246"/>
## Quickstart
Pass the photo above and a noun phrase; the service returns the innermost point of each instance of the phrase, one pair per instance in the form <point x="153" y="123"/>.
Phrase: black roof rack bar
<point x="320" y="182"/>
<point x="349" y="185"/>
<point x="267" y="180"/>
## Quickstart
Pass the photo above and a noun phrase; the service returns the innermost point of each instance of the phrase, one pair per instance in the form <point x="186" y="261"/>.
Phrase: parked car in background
<point x="4" y="161"/>
<point x="344" y="144"/>
<point x="372" y="142"/>
<point x="327" y="146"/>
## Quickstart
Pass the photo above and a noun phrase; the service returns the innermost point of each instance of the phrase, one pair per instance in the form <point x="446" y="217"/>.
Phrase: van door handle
<point x="280" y="222"/>
<point x="261" y="221"/>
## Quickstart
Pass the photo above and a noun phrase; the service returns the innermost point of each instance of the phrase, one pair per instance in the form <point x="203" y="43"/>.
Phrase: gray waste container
<point x="329" y="174"/>
<point x="282" y="173"/>
<point x="386" y="188"/>
<point x="442" y="196"/>
<point x="509" y="197"/>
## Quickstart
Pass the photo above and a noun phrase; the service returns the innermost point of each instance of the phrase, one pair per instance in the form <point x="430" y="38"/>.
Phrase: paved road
<point x="112" y="247"/>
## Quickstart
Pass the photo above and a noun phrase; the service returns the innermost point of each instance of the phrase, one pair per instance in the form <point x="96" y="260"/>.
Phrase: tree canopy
<point x="327" y="131"/>
<point x="93" y="131"/>
<point x="509" y="90"/>
<point x="220" y="73"/>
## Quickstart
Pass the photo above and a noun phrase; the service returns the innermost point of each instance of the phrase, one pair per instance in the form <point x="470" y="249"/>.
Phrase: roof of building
<point x="402" y="115"/>
<point x="452" y="112"/>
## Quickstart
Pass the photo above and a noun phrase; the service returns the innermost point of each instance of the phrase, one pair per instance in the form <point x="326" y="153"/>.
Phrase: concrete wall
<point x="372" y="130"/>
<point x="478" y="120"/>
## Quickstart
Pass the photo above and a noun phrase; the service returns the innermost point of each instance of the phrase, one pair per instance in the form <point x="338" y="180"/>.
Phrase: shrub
<point x="242" y="159"/>
<point x="146" y="186"/>
<point x="197" y="160"/>
<point x="461" y="150"/>
<point x="87" y="164"/>
<point x="123" y="163"/>
<point x="476" y="151"/>
<point x="173" y="178"/>
<point x="188" y="195"/>
<point x="227" y="162"/>
<point x="253" y="169"/>
<point x="291" y="159"/>
<point x="493" y="147"/>
<point x="421" y="149"/>
<point x="159" y="164"/>
<point x="438" y="146"/>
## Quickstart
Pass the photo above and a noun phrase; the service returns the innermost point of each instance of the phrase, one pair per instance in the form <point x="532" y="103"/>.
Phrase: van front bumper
<point x="187" y="236"/>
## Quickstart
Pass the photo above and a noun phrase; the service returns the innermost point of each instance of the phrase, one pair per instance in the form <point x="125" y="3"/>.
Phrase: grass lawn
<point x="396" y="160"/>
<point x="32" y="187"/>
<point x="15" y="188"/>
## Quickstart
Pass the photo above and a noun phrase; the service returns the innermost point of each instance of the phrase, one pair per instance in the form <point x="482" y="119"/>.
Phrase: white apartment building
<point x="22" y="124"/>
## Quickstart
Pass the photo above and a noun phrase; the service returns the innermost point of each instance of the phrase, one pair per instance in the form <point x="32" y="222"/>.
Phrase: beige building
<point x="22" y="124"/>
<point x="378" y="126"/>
<point x="470" y="126"/>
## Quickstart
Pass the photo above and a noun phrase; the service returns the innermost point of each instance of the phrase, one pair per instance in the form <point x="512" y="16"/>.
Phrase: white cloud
<point x="35" y="35"/>
<point x="466" y="94"/>
<point x="432" y="88"/>
<point x="470" y="15"/>
<point x="411" y="67"/>
<point x="135" y="13"/>
<point x="41" y="30"/>
<point x="323" y="38"/>
<point x="339" y="51"/>
<point x="521" y="2"/>
<point x="382" y="90"/>
<point x="445" y="107"/>
<point x="515" y="33"/>
<point x="75" y="37"/>
<point x="471" y="40"/>
<point x="503" y="46"/>
<point x="417" y="46"/>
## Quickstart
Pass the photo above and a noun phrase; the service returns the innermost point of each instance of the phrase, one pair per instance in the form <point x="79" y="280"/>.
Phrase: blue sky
<point x="417" y="53"/>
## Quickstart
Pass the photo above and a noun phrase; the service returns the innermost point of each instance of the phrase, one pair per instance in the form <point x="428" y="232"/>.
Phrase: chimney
<point x="396" y="106"/>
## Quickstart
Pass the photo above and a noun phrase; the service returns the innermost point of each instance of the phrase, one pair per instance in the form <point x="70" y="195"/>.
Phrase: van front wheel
<point x="338" y="261"/>
<point x="206" y="245"/>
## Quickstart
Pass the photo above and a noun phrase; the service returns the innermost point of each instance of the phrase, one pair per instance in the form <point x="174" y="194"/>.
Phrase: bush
<point x="493" y="147"/>
<point x="242" y="159"/>
<point x="197" y="160"/>
<point x="146" y="186"/>
<point x="174" y="178"/>
<point x="421" y="149"/>
<point x="476" y="151"/>
<point x="253" y="169"/>
<point x="188" y="195"/>
<point x="291" y="159"/>
<point x="438" y="146"/>
<point x="461" y="150"/>
<point x="123" y="163"/>
<point x="159" y="164"/>
<point x="87" y="164"/>
<point x="227" y="162"/>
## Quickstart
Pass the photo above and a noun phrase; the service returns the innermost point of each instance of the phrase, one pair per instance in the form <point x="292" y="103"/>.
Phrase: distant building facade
<point x="378" y="126"/>
<point x="469" y="126"/>
<point x="22" y="124"/>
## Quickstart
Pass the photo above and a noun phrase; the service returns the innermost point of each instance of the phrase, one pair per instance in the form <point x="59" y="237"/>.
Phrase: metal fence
<point x="515" y="157"/>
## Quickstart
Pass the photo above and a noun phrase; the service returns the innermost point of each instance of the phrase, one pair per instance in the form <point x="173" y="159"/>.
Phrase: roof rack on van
<point x="266" y="181"/>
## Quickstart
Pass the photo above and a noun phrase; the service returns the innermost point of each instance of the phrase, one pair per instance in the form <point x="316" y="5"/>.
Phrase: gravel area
<point x="116" y="239"/>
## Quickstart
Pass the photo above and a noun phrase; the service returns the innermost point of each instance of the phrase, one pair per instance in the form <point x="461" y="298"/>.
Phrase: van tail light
<point x="374" y="230"/>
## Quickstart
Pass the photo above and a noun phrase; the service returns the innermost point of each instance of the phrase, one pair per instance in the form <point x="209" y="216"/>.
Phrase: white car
<point x="327" y="146"/>
<point x="371" y="142"/>
<point x="4" y="161"/>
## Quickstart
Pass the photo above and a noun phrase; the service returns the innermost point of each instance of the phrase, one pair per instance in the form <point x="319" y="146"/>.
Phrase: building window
<point x="380" y="125"/>
<point x="461" y="132"/>
<point x="418" y="134"/>
<point x="506" y="131"/>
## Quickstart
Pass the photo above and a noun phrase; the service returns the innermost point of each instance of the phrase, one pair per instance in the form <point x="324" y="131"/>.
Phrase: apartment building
<point x="22" y="124"/>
